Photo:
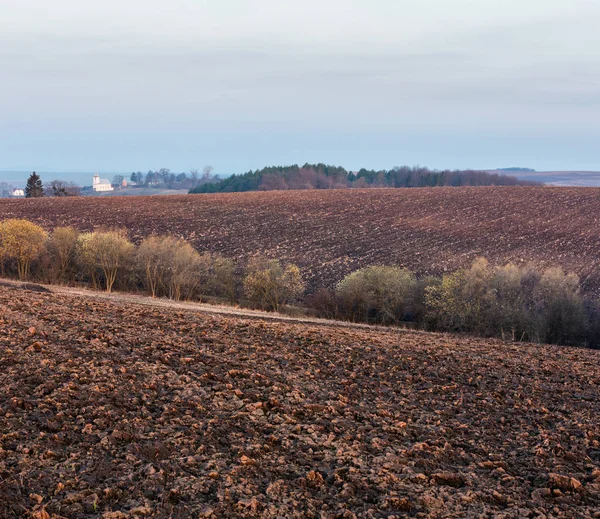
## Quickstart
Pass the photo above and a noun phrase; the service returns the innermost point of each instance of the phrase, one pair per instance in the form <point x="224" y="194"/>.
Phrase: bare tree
<point x="153" y="261"/>
<point x="184" y="279"/>
<point x="170" y="266"/>
<point x="164" y="175"/>
<point x="62" y="188"/>
<point x="62" y="245"/>
<point x="5" y="190"/>
<point x="194" y="174"/>
<point x="109" y="251"/>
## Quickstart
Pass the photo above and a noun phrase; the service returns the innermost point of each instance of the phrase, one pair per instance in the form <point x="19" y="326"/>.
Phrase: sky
<point x="133" y="85"/>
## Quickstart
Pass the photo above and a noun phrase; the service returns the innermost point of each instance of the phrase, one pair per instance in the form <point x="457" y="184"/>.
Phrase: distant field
<point x="122" y="411"/>
<point x="331" y="233"/>
<point x="563" y="178"/>
<point x="137" y="191"/>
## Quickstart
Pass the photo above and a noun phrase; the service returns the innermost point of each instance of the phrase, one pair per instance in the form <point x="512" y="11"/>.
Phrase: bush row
<point x="164" y="266"/>
<point x="513" y="302"/>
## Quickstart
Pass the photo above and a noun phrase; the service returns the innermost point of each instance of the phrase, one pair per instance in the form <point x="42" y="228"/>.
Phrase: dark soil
<point x="117" y="410"/>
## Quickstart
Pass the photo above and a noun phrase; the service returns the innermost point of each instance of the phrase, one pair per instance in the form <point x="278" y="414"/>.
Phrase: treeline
<point x="162" y="266"/>
<point x="164" y="178"/>
<point x="517" y="303"/>
<point x="35" y="188"/>
<point x="321" y="176"/>
<point x="511" y="302"/>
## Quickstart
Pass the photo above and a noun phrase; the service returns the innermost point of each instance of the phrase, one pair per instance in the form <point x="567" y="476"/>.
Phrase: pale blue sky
<point x="132" y="85"/>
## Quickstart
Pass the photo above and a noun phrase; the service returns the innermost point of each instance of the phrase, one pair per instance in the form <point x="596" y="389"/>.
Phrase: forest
<point x="321" y="176"/>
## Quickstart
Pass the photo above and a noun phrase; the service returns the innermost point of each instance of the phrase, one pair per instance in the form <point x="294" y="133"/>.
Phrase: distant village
<point x="136" y="183"/>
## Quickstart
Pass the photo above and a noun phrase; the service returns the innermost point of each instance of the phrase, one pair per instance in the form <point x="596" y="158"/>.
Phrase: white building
<point x="18" y="192"/>
<point x="101" y="184"/>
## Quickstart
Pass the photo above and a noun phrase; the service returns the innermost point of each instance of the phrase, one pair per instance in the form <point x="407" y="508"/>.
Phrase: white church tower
<point x="101" y="184"/>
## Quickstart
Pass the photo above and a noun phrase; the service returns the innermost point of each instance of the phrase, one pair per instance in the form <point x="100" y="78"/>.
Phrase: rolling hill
<point x="331" y="233"/>
<point x="119" y="410"/>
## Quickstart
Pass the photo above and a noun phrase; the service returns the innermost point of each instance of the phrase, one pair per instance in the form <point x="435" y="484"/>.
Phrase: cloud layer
<point x="131" y="85"/>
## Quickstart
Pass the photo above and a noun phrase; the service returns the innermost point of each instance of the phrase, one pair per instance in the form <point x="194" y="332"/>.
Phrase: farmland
<point x="121" y="410"/>
<point x="331" y="233"/>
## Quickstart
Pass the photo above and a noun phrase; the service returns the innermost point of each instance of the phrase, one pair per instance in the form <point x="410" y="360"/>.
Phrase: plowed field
<point x="331" y="233"/>
<point x="125" y="411"/>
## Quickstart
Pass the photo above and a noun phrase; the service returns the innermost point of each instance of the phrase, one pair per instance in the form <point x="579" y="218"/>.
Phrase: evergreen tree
<point x="34" y="187"/>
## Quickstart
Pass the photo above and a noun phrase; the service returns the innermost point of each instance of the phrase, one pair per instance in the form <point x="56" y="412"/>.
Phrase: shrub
<point x="3" y="256"/>
<point x="377" y="294"/>
<point x="561" y="307"/>
<point x="22" y="241"/>
<point x="172" y="267"/>
<point x="85" y="258"/>
<point x="204" y="273"/>
<point x="483" y="300"/>
<point x="61" y="246"/>
<point x="269" y="285"/>
<point x="417" y="313"/>
<point x="509" y="302"/>
<point x="183" y="278"/>
<point x="108" y="252"/>
<point x="217" y="277"/>
<point x="592" y="313"/>
<point x="443" y="304"/>
<point x="324" y="302"/>
<point x="153" y="260"/>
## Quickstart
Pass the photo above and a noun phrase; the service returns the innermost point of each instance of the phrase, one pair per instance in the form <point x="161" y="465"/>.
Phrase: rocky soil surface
<point x="331" y="233"/>
<point x="113" y="410"/>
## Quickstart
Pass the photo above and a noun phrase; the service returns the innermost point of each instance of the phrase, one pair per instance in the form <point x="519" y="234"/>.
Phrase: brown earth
<point x="331" y="233"/>
<point x="118" y="410"/>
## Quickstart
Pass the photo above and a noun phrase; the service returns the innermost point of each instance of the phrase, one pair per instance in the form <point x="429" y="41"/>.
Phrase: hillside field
<point x="112" y="410"/>
<point x="331" y="233"/>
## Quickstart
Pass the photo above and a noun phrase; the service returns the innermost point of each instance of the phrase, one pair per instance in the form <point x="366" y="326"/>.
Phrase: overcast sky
<point x="127" y="85"/>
